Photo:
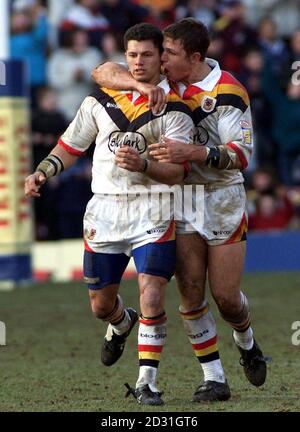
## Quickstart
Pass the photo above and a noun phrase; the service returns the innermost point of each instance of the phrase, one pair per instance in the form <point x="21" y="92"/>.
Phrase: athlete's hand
<point x="169" y="150"/>
<point x="129" y="159"/>
<point x="155" y="95"/>
<point x="33" y="184"/>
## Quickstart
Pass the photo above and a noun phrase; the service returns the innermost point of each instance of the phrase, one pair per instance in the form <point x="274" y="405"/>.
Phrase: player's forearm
<point x="197" y="154"/>
<point x="114" y="76"/>
<point x="167" y="173"/>
<point x="58" y="160"/>
<point x="221" y="157"/>
<point x="67" y="158"/>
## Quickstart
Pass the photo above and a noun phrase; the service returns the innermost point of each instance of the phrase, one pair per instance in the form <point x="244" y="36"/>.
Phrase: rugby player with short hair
<point x="119" y="220"/>
<point x="215" y="251"/>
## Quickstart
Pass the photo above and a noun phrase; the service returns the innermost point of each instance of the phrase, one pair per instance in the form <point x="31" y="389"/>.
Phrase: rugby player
<point x="119" y="219"/>
<point x="215" y="251"/>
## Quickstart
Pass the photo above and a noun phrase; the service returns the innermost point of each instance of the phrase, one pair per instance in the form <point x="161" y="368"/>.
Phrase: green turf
<point x="51" y="361"/>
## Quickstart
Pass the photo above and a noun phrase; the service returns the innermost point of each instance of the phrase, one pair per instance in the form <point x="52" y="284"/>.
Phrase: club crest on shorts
<point x="208" y="104"/>
<point x="90" y="233"/>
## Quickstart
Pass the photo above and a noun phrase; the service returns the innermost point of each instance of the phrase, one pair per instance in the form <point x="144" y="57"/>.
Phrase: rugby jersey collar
<point x="209" y="82"/>
<point x="163" y="84"/>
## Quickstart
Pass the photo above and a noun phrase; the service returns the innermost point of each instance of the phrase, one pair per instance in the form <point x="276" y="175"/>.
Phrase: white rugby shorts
<point x="120" y="223"/>
<point x="224" y="215"/>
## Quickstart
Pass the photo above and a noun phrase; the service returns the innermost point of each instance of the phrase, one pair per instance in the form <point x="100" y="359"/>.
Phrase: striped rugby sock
<point x="118" y="318"/>
<point x="151" y="340"/>
<point x="202" y="333"/>
<point x="242" y="332"/>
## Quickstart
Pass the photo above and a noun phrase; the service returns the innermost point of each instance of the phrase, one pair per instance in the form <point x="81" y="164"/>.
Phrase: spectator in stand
<point x="111" y="49"/>
<point x="122" y="14"/>
<point x="285" y="109"/>
<point x="272" y="213"/>
<point x="85" y="14"/>
<point x="271" y="45"/>
<point x="29" y="42"/>
<point x="56" y="13"/>
<point x="293" y="56"/>
<point x="238" y="36"/>
<point x="201" y="10"/>
<point x="262" y="180"/>
<point x="71" y="198"/>
<point x="48" y="123"/>
<point x="160" y="18"/>
<point x="161" y="5"/>
<point x="216" y="48"/>
<point x="295" y="46"/>
<point x="47" y="126"/>
<point x="69" y="72"/>
<point x="250" y="76"/>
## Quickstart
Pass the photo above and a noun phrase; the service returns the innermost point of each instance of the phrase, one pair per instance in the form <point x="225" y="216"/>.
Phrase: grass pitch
<point x="51" y="360"/>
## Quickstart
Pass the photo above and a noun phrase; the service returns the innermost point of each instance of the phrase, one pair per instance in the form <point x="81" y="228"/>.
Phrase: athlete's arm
<point x="58" y="160"/>
<point x="236" y="135"/>
<point x="128" y="158"/>
<point x="117" y="77"/>
<point x="79" y="135"/>
<point x="173" y="151"/>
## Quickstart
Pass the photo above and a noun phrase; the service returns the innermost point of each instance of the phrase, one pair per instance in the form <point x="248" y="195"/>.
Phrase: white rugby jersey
<point x="221" y="110"/>
<point x="114" y="118"/>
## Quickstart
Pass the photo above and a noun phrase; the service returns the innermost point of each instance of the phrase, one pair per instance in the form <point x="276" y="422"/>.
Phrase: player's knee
<point x="152" y="297"/>
<point x="101" y="309"/>
<point x="228" y="305"/>
<point x="191" y="291"/>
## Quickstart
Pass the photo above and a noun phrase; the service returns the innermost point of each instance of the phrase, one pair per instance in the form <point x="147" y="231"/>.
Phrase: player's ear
<point x="195" y="57"/>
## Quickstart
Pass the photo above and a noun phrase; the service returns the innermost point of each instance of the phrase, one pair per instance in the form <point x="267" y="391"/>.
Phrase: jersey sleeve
<point x="179" y="126"/>
<point x="82" y="131"/>
<point x="235" y="130"/>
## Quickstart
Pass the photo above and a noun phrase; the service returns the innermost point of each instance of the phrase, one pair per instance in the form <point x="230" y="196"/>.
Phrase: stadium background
<point x="59" y="42"/>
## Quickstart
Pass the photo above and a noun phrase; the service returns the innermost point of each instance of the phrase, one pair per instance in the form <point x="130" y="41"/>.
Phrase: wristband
<point x="51" y="166"/>
<point x="213" y="157"/>
<point x="145" y="167"/>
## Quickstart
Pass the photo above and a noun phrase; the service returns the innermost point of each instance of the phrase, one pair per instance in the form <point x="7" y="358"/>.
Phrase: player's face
<point x="143" y="60"/>
<point x="175" y="62"/>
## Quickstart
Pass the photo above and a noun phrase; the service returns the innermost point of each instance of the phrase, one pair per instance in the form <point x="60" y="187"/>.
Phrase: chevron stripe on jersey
<point x="114" y="118"/>
<point x="130" y="116"/>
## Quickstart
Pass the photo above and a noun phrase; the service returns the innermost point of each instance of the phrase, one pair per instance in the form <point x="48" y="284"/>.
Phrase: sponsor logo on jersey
<point x="246" y="131"/>
<point x="132" y="139"/>
<point x="112" y="105"/>
<point x="208" y="104"/>
<point x="200" y="136"/>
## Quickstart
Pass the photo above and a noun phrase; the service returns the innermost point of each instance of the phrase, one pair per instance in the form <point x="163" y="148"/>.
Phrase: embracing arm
<point x="168" y="173"/>
<point x="117" y="77"/>
<point x="114" y="76"/>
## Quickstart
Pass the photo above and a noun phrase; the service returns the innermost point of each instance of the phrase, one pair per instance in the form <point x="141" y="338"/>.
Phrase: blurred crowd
<point x="257" y="41"/>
